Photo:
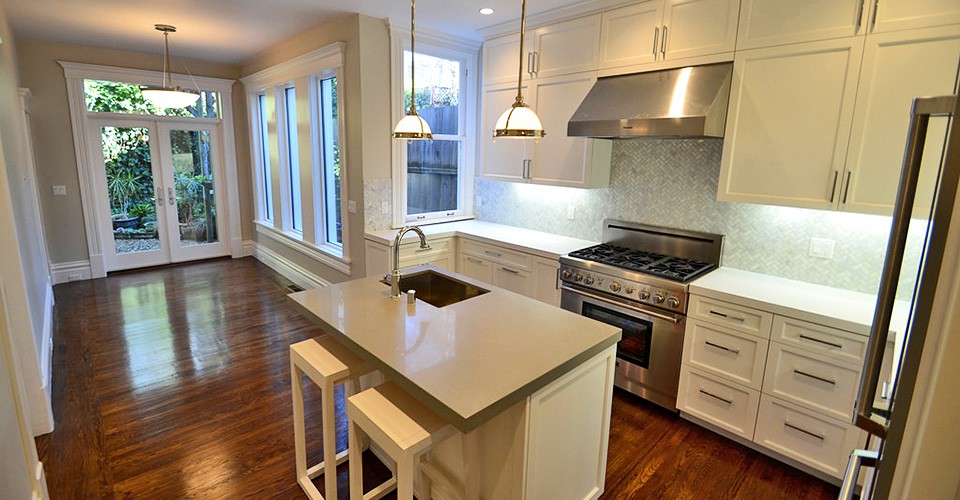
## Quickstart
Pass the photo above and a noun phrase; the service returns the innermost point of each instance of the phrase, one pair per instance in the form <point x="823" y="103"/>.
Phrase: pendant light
<point x="412" y="125"/>
<point x="167" y="95"/>
<point x="519" y="122"/>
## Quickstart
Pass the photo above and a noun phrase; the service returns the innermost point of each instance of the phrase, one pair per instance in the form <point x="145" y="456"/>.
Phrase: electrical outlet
<point x="384" y="207"/>
<point x="59" y="190"/>
<point x="571" y="211"/>
<point x="821" y="248"/>
<point x="352" y="206"/>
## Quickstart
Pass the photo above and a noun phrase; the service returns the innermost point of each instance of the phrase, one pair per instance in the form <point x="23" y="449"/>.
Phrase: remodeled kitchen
<point x="557" y="249"/>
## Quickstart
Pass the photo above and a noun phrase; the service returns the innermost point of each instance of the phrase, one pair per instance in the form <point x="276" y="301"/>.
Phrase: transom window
<point x="118" y="97"/>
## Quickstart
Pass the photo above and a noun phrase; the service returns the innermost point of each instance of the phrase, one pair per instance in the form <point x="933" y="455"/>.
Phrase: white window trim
<point x="442" y="45"/>
<point x="307" y="68"/>
<point x="75" y="74"/>
<point x="256" y="147"/>
<point x="320" y="209"/>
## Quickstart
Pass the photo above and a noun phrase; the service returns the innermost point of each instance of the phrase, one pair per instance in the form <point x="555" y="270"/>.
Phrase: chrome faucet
<point x="395" y="275"/>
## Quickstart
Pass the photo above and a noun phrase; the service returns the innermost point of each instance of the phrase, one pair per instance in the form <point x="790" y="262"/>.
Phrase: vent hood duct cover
<point x="681" y="102"/>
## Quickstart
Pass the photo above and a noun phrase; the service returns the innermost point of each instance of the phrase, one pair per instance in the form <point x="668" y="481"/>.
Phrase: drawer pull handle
<point x="491" y="252"/>
<point x="714" y="396"/>
<point x="727" y="316"/>
<point x="419" y="250"/>
<point x="511" y="271"/>
<point x="475" y="261"/>
<point x="815" y="377"/>
<point x="798" y="429"/>
<point x="819" y="341"/>
<point x="718" y="346"/>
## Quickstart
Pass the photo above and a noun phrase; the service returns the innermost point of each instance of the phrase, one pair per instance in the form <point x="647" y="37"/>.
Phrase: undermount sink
<point x="438" y="289"/>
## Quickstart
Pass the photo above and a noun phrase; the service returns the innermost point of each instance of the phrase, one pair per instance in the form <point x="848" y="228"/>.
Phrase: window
<point x="120" y="97"/>
<point x="298" y="107"/>
<point x="264" y="160"/>
<point x="293" y="159"/>
<point x="433" y="180"/>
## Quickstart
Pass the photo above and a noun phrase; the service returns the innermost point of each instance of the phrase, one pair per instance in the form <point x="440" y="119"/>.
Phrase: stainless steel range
<point x="638" y="280"/>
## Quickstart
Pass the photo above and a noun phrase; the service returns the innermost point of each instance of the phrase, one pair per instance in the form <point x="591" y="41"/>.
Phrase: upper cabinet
<point x="557" y="49"/>
<point x="764" y="23"/>
<point x="666" y="30"/>
<point x="822" y="124"/>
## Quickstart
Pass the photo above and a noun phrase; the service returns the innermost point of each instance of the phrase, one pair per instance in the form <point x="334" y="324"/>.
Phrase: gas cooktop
<point x="664" y="266"/>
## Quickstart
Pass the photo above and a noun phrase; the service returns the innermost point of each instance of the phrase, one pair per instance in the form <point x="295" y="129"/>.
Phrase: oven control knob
<point x="673" y="302"/>
<point x="615" y="287"/>
<point x="588" y="280"/>
<point x="578" y="278"/>
<point x="565" y="274"/>
<point x="644" y="295"/>
<point x="629" y="290"/>
<point x="658" y="298"/>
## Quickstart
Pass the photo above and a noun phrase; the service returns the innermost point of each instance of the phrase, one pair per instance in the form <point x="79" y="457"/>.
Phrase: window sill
<point x="323" y="255"/>
<point x="427" y="222"/>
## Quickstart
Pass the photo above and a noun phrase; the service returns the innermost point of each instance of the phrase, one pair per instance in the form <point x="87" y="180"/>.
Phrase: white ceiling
<point x="232" y="31"/>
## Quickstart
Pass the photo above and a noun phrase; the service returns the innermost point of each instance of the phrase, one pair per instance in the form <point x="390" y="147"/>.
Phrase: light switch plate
<point x="352" y="206"/>
<point x="59" y="190"/>
<point x="571" y="211"/>
<point x="821" y="248"/>
<point x="384" y="207"/>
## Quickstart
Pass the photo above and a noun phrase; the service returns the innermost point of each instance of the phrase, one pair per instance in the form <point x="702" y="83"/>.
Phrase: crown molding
<point x="564" y="13"/>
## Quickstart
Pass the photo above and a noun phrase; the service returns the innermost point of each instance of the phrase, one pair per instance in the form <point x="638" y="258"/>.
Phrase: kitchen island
<point x="528" y="384"/>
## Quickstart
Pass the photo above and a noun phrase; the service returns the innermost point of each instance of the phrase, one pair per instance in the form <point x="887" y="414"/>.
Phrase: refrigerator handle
<point x="858" y="458"/>
<point x="923" y="108"/>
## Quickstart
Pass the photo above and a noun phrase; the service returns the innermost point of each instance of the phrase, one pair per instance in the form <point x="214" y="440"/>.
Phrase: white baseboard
<point x="62" y="272"/>
<point x="248" y="248"/>
<point x="292" y="271"/>
<point x="46" y="349"/>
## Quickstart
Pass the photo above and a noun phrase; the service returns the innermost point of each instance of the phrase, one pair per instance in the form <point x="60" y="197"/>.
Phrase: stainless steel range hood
<point x="681" y="102"/>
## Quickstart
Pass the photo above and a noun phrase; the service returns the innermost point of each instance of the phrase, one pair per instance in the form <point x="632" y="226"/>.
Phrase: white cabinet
<point x="893" y="15"/>
<point x="787" y="129"/>
<point x="557" y="49"/>
<point x="519" y="272"/>
<point x="555" y="159"/>
<point x="475" y="267"/>
<point x="786" y="384"/>
<point x="881" y="116"/>
<point x="667" y="30"/>
<point x="764" y="23"/>
<point x="546" y="277"/>
<point x="379" y="257"/>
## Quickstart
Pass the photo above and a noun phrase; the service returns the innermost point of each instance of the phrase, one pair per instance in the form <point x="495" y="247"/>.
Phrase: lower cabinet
<point x="786" y="384"/>
<point x="379" y="257"/>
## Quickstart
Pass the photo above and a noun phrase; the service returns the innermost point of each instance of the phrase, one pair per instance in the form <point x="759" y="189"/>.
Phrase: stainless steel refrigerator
<point x="887" y="386"/>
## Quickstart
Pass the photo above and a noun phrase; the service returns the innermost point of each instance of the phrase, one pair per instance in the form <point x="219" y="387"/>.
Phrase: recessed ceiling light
<point x="486" y="11"/>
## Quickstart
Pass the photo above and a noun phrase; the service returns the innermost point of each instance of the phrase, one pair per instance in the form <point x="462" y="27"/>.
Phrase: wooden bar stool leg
<point x="296" y="381"/>
<point x="328" y="416"/>
<point x="405" y="478"/>
<point x="425" y="481"/>
<point x="356" y="461"/>
<point x="471" y="466"/>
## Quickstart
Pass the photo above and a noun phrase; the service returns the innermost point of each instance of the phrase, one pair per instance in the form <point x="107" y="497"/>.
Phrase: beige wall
<point x="366" y="105"/>
<point x="53" y="136"/>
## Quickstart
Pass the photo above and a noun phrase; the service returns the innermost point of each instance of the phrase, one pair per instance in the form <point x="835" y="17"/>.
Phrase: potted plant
<point x="123" y="187"/>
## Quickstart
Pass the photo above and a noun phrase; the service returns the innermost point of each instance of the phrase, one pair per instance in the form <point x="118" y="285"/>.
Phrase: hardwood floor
<point x="175" y="383"/>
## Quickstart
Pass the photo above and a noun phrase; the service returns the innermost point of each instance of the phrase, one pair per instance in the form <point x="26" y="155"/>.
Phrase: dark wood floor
<point x="175" y="383"/>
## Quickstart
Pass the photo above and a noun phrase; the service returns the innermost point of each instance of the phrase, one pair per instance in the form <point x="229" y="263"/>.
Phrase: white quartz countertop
<point x="467" y="361"/>
<point x="547" y="245"/>
<point x="844" y="309"/>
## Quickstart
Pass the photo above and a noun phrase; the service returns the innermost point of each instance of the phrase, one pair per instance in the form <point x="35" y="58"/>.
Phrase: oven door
<point x="648" y="355"/>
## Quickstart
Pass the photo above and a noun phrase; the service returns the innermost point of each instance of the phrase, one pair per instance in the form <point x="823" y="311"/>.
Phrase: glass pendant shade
<point x="519" y="122"/>
<point x="169" y="97"/>
<point x="412" y="126"/>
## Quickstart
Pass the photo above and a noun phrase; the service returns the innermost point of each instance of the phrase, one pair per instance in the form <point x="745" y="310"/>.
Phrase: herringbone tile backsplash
<point x="673" y="182"/>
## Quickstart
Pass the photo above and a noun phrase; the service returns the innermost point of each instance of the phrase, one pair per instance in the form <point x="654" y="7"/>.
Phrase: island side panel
<point x="553" y="444"/>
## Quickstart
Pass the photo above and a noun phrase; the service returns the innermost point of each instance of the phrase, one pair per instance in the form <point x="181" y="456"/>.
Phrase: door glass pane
<point x="265" y="159"/>
<point x="433" y="171"/>
<point x="635" y="344"/>
<point x="330" y="145"/>
<point x="193" y="181"/>
<point x="126" y="155"/>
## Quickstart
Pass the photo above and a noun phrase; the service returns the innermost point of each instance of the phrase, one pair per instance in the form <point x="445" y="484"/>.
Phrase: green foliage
<point x="190" y="196"/>
<point x="126" y="154"/>
<point x="432" y="97"/>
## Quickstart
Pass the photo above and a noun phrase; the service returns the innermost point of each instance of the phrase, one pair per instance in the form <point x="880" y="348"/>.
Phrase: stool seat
<point x="402" y="426"/>
<point x="327" y="363"/>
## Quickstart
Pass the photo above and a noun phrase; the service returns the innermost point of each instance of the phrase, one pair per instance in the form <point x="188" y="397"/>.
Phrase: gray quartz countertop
<point x="467" y="361"/>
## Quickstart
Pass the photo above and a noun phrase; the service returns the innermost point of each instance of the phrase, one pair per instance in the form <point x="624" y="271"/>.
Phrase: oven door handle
<point x="601" y="298"/>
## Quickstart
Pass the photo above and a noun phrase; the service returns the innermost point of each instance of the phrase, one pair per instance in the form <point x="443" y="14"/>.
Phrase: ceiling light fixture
<point x="519" y="122"/>
<point x="167" y="95"/>
<point x="412" y="126"/>
<point x="486" y="11"/>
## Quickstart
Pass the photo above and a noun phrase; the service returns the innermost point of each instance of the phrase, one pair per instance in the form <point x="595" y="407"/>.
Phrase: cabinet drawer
<point x="820" y="442"/>
<point x="498" y="254"/>
<point x="734" y="356"/>
<point x="734" y="316"/>
<point x="512" y="279"/>
<point x="725" y="405"/>
<point x="836" y="344"/>
<point x="802" y="378"/>
<point x="409" y="248"/>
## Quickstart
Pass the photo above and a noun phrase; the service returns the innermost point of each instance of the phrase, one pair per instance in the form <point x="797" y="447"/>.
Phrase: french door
<point x="157" y="191"/>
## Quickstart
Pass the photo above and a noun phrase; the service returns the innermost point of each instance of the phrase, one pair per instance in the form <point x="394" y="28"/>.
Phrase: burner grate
<point x="673" y="268"/>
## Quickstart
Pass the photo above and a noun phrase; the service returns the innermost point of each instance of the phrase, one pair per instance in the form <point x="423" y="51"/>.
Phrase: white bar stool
<point x="328" y="364"/>
<point x="403" y="427"/>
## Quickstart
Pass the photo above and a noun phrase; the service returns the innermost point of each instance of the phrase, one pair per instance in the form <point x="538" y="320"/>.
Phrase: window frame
<point x="467" y="53"/>
<point x="301" y="73"/>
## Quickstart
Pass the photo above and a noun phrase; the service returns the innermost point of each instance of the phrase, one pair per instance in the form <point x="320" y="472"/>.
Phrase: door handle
<point x="656" y="37"/>
<point x="846" y="189"/>
<point x="536" y="60"/>
<point x="159" y="197"/>
<point x="663" y="43"/>
<point x="833" y="190"/>
<point x="530" y="64"/>
<point x="171" y="198"/>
